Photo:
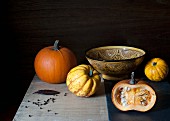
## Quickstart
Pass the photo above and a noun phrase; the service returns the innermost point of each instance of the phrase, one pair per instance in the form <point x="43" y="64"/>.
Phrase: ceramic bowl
<point x="115" y="62"/>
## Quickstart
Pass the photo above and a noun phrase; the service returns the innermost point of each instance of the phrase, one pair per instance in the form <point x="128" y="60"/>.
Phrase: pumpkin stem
<point x="56" y="45"/>
<point x="154" y="63"/>
<point x="91" y="73"/>
<point x="132" y="80"/>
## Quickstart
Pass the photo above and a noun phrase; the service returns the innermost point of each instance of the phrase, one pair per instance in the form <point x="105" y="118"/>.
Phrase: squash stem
<point x="56" y="45"/>
<point x="132" y="80"/>
<point x="154" y="63"/>
<point x="91" y="73"/>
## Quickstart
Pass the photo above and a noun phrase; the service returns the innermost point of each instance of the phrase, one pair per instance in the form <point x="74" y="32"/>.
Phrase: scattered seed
<point x="45" y="103"/>
<point x="122" y="92"/>
<point x="144" y="103"/>
<point x="124" y="104"/>
<point x="53" y="101"/>
<point x="122" y="96"/>
<point x="128" y="88"/>
<point x="65" y="94"/>
<point x="123" y="100"/>
<point x="121" y="88"/>
<point x="125" y="88"/>
<point x="48" y="110"/>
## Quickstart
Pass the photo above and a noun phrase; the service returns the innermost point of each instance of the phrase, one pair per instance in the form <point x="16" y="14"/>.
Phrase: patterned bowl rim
<point x="123" y="47"/>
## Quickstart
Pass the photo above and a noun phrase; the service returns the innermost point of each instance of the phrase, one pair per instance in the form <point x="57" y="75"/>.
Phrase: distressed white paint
<point x="68" y="108"/>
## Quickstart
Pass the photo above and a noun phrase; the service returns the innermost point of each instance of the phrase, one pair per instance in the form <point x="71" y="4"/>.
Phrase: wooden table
<point x="65" y="106"/>
<point x="61" y="107"/>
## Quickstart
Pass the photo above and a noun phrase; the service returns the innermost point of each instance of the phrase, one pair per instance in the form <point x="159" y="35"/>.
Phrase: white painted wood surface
<point x="64" y="108"/>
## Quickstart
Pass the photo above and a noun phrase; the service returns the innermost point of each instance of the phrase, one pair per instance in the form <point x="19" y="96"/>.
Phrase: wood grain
<point x="61" y="107"/>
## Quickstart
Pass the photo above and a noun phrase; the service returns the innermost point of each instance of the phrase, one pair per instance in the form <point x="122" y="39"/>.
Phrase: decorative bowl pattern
<point x="115" y="62"/>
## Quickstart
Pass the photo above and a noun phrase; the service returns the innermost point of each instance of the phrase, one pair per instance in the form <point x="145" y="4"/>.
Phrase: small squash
<point x="133" y="95"/>
<point x="53" y="63"/>
<point x="156" y="69"/>
<point x="83" y="80"/>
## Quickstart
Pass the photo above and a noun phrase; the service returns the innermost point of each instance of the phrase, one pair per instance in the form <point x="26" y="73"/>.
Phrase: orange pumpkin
<point x="130" y="95"/>
<point x="156" y="69"/>
<point x="52" y="63"/>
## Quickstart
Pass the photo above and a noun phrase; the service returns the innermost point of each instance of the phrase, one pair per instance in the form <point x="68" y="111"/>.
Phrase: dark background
<point x="26" y="26"/>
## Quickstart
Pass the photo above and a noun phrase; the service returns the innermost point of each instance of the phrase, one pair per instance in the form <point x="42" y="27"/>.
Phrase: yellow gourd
<point x="83" y="80"/>
<point x="156" y="69"/>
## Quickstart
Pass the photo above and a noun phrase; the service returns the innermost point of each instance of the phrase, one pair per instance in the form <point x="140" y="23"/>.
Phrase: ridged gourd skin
<point x="53" y="63"/>
<point x="83" y="80"/>
<point x="156" y="69"/>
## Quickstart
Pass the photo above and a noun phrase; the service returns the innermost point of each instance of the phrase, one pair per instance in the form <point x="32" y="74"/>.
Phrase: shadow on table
<point x="100" y="91"/>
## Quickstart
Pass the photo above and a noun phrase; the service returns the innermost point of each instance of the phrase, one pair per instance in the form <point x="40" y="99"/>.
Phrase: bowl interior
<point x="114" y="53"/>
